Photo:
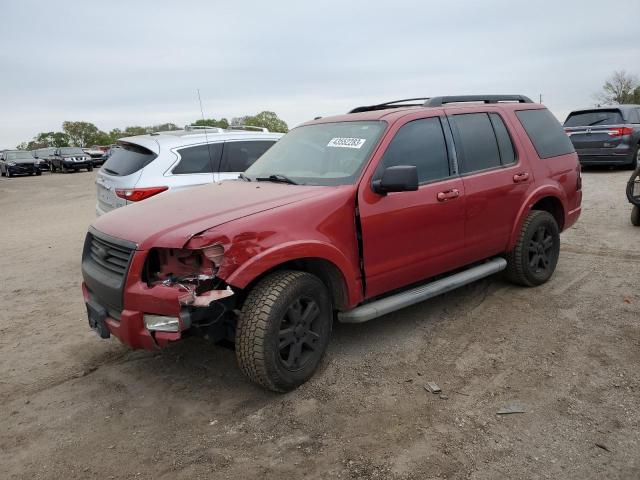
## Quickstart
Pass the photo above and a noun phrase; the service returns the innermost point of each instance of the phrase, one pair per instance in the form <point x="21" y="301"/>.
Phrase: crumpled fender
<point x="535" y="196"/>
<point x="297" y="250"/>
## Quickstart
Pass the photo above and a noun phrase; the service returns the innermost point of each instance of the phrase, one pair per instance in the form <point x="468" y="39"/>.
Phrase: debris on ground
<point x="603" y="447"/>
<point x="432" y="387"/>
<point x="512" y="408"/>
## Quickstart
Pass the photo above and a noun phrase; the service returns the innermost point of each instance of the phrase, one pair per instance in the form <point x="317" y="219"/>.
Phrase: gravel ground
<point x="568" y="352"/>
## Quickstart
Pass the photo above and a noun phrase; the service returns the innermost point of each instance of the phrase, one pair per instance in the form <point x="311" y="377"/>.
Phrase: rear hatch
<point x="596" y="132"/>
<point x="122" y="171"/>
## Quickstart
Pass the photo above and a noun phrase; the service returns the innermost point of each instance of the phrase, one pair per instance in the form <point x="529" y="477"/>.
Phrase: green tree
<point x="620" y="87"/>
<point x="212" y="122"/>
<point x="80" y="133"/>
<point x="268" y="120"/>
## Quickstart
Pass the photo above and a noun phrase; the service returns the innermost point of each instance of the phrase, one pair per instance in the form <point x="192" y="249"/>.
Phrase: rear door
<point x="496" y="179"/>
<point x="409" y="236"/>
<point x="238" y="155"/>
<point x="194" y="166"/>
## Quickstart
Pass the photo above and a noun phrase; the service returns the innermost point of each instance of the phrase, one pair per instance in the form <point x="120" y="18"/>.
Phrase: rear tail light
<point x="620" y="131"/>
<point x="567" y="131"/>
<point x="137" y="194"/>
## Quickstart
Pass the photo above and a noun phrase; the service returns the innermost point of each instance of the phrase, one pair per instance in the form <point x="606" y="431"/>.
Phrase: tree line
<point x="86" y="134"/>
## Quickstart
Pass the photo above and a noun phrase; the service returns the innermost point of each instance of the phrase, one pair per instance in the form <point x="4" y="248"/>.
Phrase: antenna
<point x="206" y="137"/>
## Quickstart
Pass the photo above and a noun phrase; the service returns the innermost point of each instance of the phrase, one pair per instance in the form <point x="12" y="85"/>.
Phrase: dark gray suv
<point x="606" y="135"/>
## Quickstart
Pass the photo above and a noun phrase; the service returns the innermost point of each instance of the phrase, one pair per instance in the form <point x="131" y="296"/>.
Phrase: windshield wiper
<point x="244" y="177"/>
<point x="277" y="177"/>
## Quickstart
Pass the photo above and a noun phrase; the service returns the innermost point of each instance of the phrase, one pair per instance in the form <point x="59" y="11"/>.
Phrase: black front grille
<point x="109" y="256"/>
<point x="105" y="264"/>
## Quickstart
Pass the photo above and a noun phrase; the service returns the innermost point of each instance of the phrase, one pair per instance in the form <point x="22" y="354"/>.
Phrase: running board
<point x="404" y="299"/>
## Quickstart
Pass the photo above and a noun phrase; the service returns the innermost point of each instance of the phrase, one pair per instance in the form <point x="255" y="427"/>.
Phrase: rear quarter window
<point x="128" y="158"/>
<point x="545" y="132"/>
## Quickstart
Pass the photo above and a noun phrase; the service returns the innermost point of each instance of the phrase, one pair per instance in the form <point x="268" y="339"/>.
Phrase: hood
<point x="171" y="219"/>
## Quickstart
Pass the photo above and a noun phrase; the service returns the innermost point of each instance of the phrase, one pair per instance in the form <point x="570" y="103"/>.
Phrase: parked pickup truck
<point x="348" y="218"/>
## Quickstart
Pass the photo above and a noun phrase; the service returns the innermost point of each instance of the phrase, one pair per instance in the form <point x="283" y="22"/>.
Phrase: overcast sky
<point x="119" y="63"/>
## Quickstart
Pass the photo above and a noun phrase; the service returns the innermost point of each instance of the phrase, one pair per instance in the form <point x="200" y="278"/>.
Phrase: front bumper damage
<point x="140" y="315"/>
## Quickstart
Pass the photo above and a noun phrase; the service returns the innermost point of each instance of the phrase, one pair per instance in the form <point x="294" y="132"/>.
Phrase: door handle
<point x="448" y="195"/>
<point x="521" y="177"/>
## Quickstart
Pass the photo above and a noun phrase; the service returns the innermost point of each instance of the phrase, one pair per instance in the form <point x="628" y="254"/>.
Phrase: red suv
<point x="348" y="217"/>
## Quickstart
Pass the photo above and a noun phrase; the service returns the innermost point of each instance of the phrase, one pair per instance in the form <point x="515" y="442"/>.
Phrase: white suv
<point x="146" y="165"/>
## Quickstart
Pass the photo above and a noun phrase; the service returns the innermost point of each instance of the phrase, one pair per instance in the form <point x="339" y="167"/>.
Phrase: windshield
<point x="320" y="154"/>
<point x="71" y="151"/>
<point x="19" y="156"/>
<point x="593" y="117"/>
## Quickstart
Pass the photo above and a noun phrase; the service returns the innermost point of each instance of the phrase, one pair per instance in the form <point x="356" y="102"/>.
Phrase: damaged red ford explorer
<point x="346" y="218"/>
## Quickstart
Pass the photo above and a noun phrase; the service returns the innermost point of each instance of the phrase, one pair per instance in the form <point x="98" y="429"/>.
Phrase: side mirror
<point x="400" y="178"/>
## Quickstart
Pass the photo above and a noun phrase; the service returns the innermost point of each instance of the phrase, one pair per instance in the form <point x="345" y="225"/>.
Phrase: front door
<point x="409" y="236"/>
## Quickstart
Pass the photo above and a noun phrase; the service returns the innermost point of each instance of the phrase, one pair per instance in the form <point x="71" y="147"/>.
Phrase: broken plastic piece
<point x="512" y="408"/>
<point x="204" y="300"/>
<point x="432" y="387"/>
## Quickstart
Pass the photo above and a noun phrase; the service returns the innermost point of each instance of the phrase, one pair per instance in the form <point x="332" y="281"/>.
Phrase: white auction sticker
<point x="346" y="142"/>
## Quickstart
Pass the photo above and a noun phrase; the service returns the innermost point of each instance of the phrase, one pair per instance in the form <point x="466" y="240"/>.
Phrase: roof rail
<point x="439" y="101"/>
<point x="203" y="127"/>
<point x="391" y="104"/>
<point x="248" y="127"/>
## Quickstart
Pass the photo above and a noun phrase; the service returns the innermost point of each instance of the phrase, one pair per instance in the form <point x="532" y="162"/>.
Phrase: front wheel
<point x="635" y="216"/>
<point x="535" y="256"/>
<point x="284" y="329"/>
<point x="8" y="173"/>
<point x="90" y="168"/>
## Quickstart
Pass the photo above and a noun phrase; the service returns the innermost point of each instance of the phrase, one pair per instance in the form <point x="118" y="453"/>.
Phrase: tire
<point x="635" y="216"/>
<point x="274" y="313"/>
<point x="1" y="173"/>
<point x="38" y="173"/>
<point x="635" y="162"/>
<point x="63" y="169"/>
<point x="8" y="173"/>
<point x="535" y="256"/>
<point x="90" y="168"/>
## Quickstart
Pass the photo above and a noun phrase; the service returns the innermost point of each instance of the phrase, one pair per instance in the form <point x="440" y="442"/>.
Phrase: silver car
<point x="146" y="165"/>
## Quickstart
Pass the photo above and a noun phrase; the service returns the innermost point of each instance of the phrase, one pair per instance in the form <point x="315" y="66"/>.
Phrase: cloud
<point x="123" y="63"/>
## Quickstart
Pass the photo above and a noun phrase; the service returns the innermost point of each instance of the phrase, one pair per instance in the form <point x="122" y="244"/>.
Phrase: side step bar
<point x="404" y="299"/>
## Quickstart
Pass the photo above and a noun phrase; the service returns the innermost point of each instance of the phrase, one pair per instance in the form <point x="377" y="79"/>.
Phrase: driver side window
<point x="420" y="143"/>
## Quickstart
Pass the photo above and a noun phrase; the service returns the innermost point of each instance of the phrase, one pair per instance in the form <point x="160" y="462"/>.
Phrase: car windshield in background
<point x="594" y="117"/>
<point x="71" y="151"/>
<point x="127" y="158"/>
<point x="320" y="154"/>
<point x="19" y="156"/>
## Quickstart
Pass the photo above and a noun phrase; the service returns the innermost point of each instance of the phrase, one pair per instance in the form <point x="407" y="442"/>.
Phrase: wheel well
<point x="326" y="271"/>
<point x="554" y="207"/>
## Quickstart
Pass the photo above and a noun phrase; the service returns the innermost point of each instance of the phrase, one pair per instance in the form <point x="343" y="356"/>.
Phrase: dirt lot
<point x="75" y="406"/>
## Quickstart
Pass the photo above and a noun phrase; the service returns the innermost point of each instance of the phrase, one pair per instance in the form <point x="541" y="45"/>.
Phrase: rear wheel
<point x="534" y="258"/>
<point x="284" y="329"/>
<point x="635" y="216"/>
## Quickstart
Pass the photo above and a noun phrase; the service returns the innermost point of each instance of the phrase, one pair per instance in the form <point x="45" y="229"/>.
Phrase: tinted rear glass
<point x="238" y="156"/>
<point x="128" y="158"/>
<point x="545" y="133"/>
<point x="199" y="159"/>
<point x="476" y="140"/>
<point x="594" y="117"/>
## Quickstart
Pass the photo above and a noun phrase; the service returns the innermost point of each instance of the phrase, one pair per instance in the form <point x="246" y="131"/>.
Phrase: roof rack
<point x="391" y="104"/>
<point x="203" y="127"/>
<point x="439" y="101"/>
<point x="248" y="127"/>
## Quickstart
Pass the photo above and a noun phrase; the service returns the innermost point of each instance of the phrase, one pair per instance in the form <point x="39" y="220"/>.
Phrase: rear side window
<point x="476" y="141"/>
<point x="589" y="118"/>
<point x="545" y="133"/>
<point x="238" y="156"/>
<point x="199" y="159"/>
<point x="420" y="143"/>
<point x="507" y="152"/>
<point x="634" y="116"/>
<point x="128" y="158"/>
